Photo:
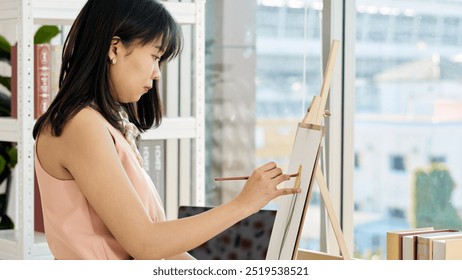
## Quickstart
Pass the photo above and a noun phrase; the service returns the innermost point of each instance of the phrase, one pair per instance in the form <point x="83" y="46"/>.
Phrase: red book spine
<point x="42" y="86"/>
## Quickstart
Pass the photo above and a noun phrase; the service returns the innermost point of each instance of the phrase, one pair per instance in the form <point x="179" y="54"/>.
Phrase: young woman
<point x="98" y="202"/>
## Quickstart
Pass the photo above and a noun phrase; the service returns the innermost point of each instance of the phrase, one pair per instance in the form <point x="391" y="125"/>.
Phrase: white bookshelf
<point x="23" y="242"/>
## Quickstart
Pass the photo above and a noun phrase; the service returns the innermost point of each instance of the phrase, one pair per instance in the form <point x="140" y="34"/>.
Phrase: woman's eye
<point x="156" y="58"/>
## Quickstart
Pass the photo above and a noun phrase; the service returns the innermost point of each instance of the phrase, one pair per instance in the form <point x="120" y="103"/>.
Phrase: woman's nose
<point x="156" y="72"/>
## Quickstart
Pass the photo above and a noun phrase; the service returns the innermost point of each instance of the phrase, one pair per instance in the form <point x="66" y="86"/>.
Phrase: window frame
<point x="339" y="18"/>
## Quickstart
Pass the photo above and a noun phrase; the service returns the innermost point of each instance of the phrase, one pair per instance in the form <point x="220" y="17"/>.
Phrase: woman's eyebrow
<point x="159" y="49"/>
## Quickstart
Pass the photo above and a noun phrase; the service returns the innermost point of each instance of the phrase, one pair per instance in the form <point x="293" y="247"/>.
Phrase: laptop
<point x="246" y="240"/>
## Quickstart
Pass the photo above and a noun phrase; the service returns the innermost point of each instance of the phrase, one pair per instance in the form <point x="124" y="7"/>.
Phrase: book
<point x="425" y="243"/>
<point x="153" y="154"/>
<point x="42" y="76"/>
<point x="56" y="60"/>
<point x="42" y="79"/>
<point x="447" y="249"/>
<point x="395" y="241"/>
<point x="408" y="247"/>
<point x="409" y="243"/>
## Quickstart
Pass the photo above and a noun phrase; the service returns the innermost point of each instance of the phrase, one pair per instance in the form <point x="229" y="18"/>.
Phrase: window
<point x="427" y="29"/>
<point x="397" y="163"/>
<point x="407" y="99"/>
<point x="451" y="29"/>
<point x="295" y="24"/>
<point x="357" y="160"/>
<point x="378" y="25"/>
<point x="406" y="112"/>
<point x="437" y="159"/>
<point x="403" y="32"/>
<point x="263" y="69"/>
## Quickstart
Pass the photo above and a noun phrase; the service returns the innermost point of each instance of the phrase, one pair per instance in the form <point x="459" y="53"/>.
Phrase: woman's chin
<point x="137" y="98"/>
<point x="131" y="100"/>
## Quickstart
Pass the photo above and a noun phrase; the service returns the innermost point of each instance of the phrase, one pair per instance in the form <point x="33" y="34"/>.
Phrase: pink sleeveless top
<point x="72" y="227"/>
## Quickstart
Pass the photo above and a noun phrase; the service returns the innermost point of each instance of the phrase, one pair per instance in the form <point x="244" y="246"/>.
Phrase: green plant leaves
<point x="13" y="153"/>
<point x="2" y="164"/>
<point x="45" y="33"/>
<point x="5" y="52"/>
<point x="6" y="82"/>
<point x="5" y="49"/>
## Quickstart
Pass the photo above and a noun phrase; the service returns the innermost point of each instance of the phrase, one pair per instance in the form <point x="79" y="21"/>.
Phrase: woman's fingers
<point x="286" y="191"/>
<point x="267" y="167"/>
<point x="262" y="186"/>
<point x="269" y="170"/>
<point x="280" y="178"/>
<point x="272" y="172"/>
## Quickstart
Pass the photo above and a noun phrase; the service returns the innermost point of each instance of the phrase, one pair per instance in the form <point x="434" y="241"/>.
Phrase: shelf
<point x="172" y="128"/>
<point x="59" y="12"/>
<point x="9" y="245"/>
<point x="54" y="12"/>
<point x="9" y="129"/>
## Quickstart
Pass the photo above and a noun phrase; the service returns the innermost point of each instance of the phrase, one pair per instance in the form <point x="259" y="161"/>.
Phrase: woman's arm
<point x="93" y="161"/>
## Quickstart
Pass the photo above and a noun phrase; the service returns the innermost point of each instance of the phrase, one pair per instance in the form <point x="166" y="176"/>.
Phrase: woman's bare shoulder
<point x="83" y="121"/>
<point x="81" y="138"/>
<point x="86" y="129"/>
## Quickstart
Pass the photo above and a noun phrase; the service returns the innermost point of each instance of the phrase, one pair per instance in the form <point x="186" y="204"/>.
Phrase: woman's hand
<point x="261" y="187"/>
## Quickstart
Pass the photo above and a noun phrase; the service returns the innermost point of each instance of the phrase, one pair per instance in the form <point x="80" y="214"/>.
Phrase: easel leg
<point x="330" y="211"/>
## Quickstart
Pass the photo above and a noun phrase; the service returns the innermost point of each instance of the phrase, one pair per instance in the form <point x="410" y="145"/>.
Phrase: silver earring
<point x="113" y="60"/>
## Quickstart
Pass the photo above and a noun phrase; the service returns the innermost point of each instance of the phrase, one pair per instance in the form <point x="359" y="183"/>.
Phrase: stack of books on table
<point x="424" y="244"/>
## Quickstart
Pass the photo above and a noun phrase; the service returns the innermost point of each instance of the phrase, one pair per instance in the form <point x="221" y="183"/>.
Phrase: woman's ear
<point x="115" y="44"/>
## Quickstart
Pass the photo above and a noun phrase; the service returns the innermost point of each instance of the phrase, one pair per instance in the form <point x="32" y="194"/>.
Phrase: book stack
<point x="47" y="64"/>
<point x="424" y="244"/>
<point x="153" y="154"/>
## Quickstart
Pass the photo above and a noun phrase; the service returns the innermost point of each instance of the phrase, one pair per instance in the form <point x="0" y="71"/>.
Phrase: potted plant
<point x="8" y="151"/>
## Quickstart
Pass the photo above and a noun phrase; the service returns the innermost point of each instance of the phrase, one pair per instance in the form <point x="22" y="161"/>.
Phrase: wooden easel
<point x="306" y="152"/>
<point x="315" y="116"/>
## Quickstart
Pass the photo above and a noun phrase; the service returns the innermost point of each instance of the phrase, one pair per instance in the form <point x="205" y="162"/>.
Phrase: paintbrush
<point x="243" y="178"/>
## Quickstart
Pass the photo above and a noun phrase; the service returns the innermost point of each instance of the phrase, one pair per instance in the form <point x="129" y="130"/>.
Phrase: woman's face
<point x="132" y="70"/>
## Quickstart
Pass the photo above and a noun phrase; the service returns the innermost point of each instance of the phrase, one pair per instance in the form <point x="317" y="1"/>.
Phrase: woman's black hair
<point x="84" y="76"/>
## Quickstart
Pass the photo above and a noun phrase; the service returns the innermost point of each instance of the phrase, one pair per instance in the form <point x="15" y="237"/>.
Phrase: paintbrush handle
<point x="232" y="178"/>
<point x="242" y="178"/>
